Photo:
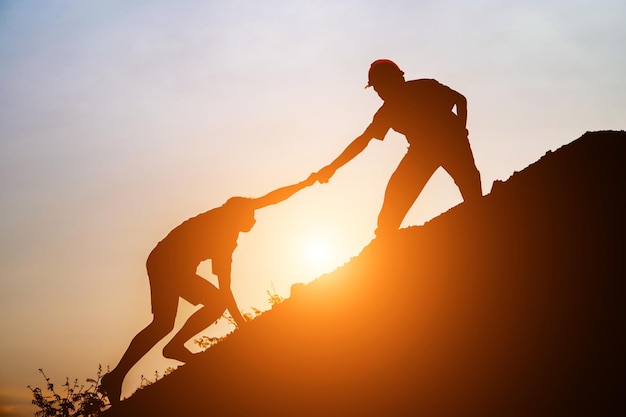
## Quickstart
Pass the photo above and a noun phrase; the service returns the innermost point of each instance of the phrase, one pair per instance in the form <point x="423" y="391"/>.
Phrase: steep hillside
<point x="513" y="306"/>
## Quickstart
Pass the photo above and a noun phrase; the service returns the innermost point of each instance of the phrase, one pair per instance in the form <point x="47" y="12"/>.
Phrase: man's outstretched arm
<point x="353" y="149"/>
<point x="283" y="193"/>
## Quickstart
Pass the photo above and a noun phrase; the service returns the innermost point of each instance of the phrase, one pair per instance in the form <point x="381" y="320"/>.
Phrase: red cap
<point x="382" y="69"/>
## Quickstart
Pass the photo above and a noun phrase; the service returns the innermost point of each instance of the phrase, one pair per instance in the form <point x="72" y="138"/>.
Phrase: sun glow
<point x="319" y="254"/>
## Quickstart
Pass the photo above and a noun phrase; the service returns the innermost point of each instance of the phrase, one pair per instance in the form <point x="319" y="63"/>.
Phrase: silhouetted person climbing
<point x="171" y="269"/>
<point x="422" y="110"/>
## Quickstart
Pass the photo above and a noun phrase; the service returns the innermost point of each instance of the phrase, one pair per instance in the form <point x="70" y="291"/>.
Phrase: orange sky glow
<point x="120" y="120"/>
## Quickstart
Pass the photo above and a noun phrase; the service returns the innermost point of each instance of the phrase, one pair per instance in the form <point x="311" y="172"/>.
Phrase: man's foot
<point x="112" y="388"/>
<point x="384" y="234"/>
<point x="179" y="353"/>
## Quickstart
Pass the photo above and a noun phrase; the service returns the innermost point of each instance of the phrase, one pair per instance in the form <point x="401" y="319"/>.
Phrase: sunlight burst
<point x="319" y="255"/>
<point x="318" y="252"/>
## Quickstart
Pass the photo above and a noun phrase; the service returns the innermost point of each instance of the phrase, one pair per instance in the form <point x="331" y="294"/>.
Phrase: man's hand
<point x="237" y="317"/>
<point x="241" y="321"/>
<point x="353" y="149"/>
<point x="324" y="174"/>
<point x="310" y="180"/>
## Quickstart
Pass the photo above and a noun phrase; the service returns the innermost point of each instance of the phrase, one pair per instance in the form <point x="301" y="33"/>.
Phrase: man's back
<point x="421" y="108"/>
<point x="202" y="237"/>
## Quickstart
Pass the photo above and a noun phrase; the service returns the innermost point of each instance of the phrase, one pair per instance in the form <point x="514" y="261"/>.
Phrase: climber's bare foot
<point x="111" y="386"/>
<point x="179" y="353"/>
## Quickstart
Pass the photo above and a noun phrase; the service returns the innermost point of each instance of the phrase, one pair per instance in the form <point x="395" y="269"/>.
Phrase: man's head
<point x="241" y="212"/>
<point x="386" y="77"/>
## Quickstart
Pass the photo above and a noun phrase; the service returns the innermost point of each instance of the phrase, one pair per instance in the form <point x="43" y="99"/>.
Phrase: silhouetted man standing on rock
<point x="422" y="110"/>
<point x="172" y="272"/>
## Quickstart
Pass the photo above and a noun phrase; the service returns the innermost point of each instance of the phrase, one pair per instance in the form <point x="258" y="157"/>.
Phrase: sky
<point x="119" y="120"/>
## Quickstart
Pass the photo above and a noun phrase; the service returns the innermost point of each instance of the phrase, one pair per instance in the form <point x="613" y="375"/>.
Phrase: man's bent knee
<point x="471" y="186"/>
<point x="162" y="325"/>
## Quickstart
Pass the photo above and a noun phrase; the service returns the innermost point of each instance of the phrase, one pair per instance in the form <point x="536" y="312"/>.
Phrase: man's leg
<point x="164" y="306"/>
<point x="462" y="168"/>
<point x="405" y="185"/>
<point x="198" y="291"/>
<point x="139" y="346"/>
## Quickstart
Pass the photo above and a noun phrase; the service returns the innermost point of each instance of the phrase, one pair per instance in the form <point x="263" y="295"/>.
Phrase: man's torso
<point x="208" y="235"/>
<point x="421" y="110"/>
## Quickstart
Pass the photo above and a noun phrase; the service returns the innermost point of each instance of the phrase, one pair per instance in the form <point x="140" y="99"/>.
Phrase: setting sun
<point x="319" y="254"/>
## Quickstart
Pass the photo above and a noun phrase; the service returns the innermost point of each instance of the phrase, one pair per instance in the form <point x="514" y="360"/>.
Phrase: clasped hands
<point x="322" y="176"/>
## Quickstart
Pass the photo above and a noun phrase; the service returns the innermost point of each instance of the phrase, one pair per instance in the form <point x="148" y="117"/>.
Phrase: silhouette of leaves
<point x="77" y="400"/>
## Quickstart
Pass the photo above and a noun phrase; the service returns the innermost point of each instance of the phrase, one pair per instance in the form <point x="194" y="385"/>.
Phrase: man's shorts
<point x="170" y="280"/>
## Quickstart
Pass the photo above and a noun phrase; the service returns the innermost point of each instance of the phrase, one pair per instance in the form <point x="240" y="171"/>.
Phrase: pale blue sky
<point x="119" y="120"/>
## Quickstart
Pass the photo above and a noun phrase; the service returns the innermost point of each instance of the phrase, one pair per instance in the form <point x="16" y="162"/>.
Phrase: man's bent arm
<point x="461" y="108"/>
<point x="222" y="268"/>
<point x="353" y="149"/>
<point x="231" y="305"/>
